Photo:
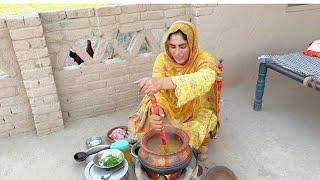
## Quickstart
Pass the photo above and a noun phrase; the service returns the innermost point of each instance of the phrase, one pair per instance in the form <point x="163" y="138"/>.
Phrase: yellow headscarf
<point x="165" y="66"/>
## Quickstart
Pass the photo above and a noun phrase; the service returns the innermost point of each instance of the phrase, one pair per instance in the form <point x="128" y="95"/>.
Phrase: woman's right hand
<point x="157" y="120"/>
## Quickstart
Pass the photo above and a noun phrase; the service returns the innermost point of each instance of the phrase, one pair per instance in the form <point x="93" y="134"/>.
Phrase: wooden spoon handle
<point x="156" y="111"/>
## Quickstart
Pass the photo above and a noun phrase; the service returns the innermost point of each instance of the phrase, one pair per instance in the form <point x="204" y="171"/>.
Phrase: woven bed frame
<point x="266" y="64"/>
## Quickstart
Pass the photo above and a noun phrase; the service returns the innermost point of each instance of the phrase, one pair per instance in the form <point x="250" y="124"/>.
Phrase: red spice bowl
<point x="119" y="132"/>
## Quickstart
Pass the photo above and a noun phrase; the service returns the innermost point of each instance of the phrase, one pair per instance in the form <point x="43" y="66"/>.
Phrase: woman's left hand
<point x="149" y="85"/>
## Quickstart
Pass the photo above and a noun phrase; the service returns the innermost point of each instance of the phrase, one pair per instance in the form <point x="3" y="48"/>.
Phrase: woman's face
<point x="179" y="49"/>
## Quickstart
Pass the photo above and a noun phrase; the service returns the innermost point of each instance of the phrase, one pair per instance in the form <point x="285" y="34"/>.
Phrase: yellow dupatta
<point x="165" y="66"/>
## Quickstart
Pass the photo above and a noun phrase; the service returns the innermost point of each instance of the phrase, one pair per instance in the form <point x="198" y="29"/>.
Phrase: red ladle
<point x="156" y="111"/>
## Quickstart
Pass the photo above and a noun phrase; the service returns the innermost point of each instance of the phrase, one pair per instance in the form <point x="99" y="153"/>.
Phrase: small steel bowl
<point x="95" y="148"/>
<point x="102" y="156"/>
<point x="93" y="141"/>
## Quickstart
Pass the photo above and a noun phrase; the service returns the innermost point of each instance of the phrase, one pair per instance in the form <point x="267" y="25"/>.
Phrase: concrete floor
<point x="279" y="142"/>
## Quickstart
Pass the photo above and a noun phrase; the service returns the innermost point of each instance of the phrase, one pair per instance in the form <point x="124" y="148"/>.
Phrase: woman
<point x="182" y="82"/>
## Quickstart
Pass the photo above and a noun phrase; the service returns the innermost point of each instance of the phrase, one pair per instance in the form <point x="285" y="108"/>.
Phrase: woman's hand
<point x="157" y="120"/>
<point x="149" y="85"/>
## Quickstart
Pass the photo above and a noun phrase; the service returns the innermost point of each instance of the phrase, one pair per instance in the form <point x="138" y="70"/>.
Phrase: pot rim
<point x="166" y="170"/>
<point x="174" y="130"/>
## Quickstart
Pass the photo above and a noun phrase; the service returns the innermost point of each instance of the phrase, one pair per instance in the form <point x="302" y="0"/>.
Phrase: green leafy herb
<point x="111" y="161"/>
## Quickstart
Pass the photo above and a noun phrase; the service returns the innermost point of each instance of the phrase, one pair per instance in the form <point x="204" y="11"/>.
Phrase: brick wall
<point x="41" y="90"/>
<point x="41" y="93"/>
<point x="15" y="110"/>
<point x="99" y="86"/>
<point x="33" y="58"/>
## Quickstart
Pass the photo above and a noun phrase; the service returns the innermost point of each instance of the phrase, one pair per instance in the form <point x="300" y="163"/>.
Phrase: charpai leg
<point x="260" y="87"/>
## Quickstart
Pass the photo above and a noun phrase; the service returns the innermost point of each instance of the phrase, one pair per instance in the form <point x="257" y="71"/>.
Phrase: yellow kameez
<point x="188" y="87"/>
<point x="190" y="106"/>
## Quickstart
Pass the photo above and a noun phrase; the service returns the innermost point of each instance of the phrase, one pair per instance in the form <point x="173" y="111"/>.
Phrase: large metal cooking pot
<point x="165" y="163"/>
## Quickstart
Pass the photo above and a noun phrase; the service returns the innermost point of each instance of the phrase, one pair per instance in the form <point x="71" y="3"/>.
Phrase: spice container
<point x="124" y="146"/>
